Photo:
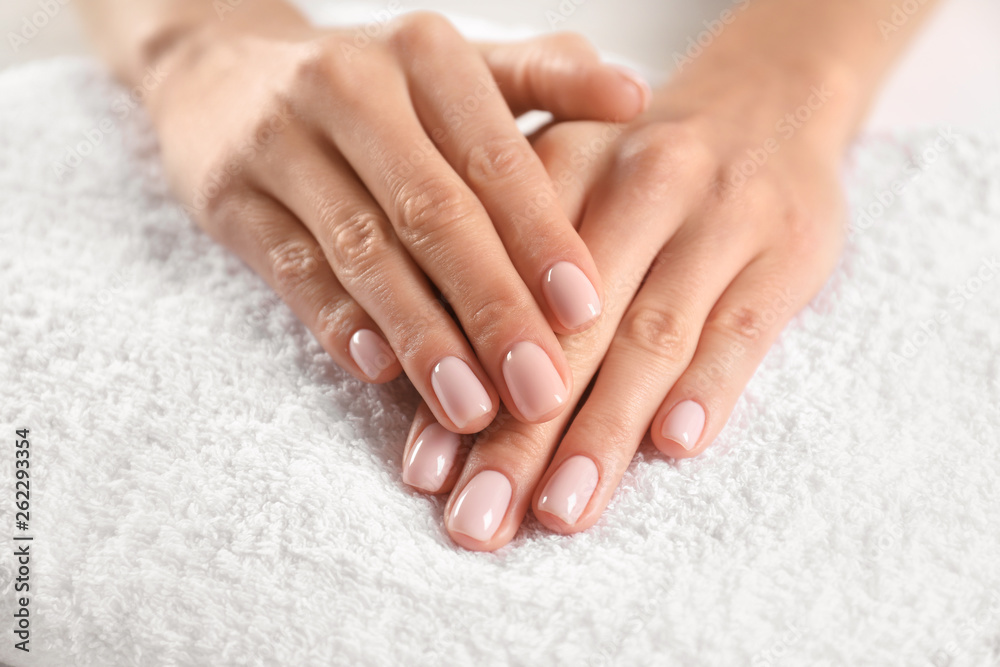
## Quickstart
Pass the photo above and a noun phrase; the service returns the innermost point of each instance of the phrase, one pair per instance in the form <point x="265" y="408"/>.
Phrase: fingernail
<point x="533" y="381"/>
<point x="372" y="354"/>
<point x="431" y="458"/>
<point x="571" y="295"/>
<point x="684" y="424"/>
<point x="462" y="395"/>
<point x="645" y="91"/>
<point x="481" y="506"/>
<point x="569" y="489"/>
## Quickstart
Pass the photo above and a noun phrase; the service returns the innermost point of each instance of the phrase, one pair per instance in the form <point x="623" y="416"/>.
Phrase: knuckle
<point x="225" y="213"/>
<point x="742" y="324"/>
<point x="422" y="30"/>
<point x="335" y="322"/>
<point x="427" y="209"/>
<point x="486" y="320"/>
<point x="499" y="160"/>
<point x="316" y="67"/>
<point x="660" y="154"/>
<point x="357" y="242"/>
<point x="661" y="333"/>
<point x="293" y="264"/>
<point x="569" y="41"/>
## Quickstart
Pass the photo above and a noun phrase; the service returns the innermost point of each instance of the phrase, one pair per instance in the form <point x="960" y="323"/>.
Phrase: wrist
<point x="166" y="40"/>
<point x="816" y="102"/>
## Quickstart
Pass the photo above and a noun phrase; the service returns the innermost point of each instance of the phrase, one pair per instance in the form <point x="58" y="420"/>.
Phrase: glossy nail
<point x="481" y="506"/>
<point x="430" y="458"/>
<point x="462" y="395"/>
<point x="533" y="381"/>
<point x="684" y="424"/>
<point x="372" y="354"/>
<point x="645" y="92"/>
<point x="570" y="488"/>
<point x="571" y="295"/>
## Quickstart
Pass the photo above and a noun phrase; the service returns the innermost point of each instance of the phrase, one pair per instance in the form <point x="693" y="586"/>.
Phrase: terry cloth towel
<point x="208" y="489"/>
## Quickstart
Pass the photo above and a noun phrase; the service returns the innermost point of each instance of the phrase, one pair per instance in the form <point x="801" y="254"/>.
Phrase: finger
<point x="654" y="344"/>
<point x="649" y="181"/>
<point x="433" y="455"/>
<point x="562" y="73"/>
<point x="737" y="334"/>
<point x="373" y="267"/>
<point x="494" y="158"/>
<point x="575" y="155"/>
<point x="443" y="226"/>
<point x="269" y="238"/>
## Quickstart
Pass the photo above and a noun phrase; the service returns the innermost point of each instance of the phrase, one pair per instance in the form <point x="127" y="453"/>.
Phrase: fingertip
<point x="679" y="432"/>
<point x="643" y="93"/>
<point x="374" y="360"/>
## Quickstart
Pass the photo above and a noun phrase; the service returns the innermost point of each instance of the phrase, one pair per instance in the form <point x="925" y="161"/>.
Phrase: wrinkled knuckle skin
<point x="294" y="265"/>
<point x="744" y="324"/>
<point x="663" y="152"/>
<point x="499" y="160"/>
<point x="335" y="323"/>
<point x="428" y="209"/>
<point x="357" y="243"/>
<point x="486" y="321"/>
<point x="660" y="333"/>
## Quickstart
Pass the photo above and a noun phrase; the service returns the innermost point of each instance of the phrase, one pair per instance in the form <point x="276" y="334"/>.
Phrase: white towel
<point x="208" y="489"/>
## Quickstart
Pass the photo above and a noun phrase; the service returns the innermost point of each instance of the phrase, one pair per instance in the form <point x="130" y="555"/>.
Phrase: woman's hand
<point x="358" y="180"/>
<point x="713" y="218"/>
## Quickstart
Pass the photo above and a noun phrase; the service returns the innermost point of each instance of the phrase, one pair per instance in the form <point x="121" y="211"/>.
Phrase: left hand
<point x="712" y="219"/>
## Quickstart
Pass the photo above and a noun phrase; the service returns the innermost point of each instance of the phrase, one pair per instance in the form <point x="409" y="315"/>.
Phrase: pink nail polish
<point x="645" y="92"/>
<point x="481" y="506"/>
<point x="571" y="296"/>
<point x="461" y="393"/>
<point x="372" y="354"/>
<point x="533" y="381"/>
<point x="430" y="458"/>
<point x="570" y="488"/>
<point x="684" y="424"/>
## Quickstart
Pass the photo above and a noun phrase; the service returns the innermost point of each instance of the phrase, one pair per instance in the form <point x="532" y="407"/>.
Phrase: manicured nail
<point x="431" y="458"/>
<point x="571" y="295"/>
<point x="684" y="424"/>
<point x="645" y="92"/>
<point x="372" y="354"/>
<point x="569" y="489"/>
<point x="481" y="505"/>
<point x="533" y="381"/>
<point x="461" y="393"/>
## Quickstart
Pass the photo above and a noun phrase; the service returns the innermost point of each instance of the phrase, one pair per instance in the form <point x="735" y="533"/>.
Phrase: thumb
<point x="563" y="74"/>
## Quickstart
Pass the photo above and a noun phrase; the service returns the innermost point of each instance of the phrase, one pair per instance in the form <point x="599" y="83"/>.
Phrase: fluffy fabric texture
<point x="208" y="489"/>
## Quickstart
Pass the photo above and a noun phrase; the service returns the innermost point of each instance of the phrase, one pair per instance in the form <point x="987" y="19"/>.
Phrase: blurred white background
<point x="951" y="75"/>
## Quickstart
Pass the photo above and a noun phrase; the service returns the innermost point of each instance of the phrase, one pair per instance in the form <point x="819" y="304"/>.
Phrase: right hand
<point x="355" y="181"/>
